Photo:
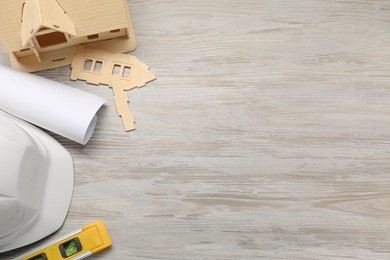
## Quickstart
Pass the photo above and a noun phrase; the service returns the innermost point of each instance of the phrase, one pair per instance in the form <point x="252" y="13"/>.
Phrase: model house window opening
<point x="116" y="69"/>
<point x="122" y="70"/>
<point x="87" y="64"/>
<point x="98" y="66"/>
<point x="126" y="72"/>
<point x="93" y="37"/>
<point x="93" y="65"/>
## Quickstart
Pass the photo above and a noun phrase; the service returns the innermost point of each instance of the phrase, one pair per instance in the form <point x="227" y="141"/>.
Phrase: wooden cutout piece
<point x="139" y="76"/>
<point x="122" y="103"/>
<point x="119" y="71"/>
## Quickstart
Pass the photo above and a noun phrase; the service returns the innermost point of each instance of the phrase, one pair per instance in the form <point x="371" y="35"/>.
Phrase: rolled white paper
<point x="56" y="107"/>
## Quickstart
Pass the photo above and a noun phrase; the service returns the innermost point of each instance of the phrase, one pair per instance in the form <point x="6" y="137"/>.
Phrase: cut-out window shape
<point x="51" y="39"/>
<point x="24" y="50"/>
<point x="116" y="69"/>
<point x="93" y="36"/>
<point x="59" y="59"/>
<point x="126" y="72"/>
<point x="115" y="31"/>
<point x="98" y="66"/>
<point x="87" y="64"/>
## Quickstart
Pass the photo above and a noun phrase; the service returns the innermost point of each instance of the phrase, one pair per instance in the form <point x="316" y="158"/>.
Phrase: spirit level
<point x="75" y="246"/>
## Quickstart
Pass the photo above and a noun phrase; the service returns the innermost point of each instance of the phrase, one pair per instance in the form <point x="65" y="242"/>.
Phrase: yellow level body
<point x="77" y="245"/>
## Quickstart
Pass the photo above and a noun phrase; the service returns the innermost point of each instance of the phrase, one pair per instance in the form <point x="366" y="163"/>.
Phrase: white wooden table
<point x="265" y="136"/>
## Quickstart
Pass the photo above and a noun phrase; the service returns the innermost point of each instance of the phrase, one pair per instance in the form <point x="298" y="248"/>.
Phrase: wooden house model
<point x="44" y="34"/>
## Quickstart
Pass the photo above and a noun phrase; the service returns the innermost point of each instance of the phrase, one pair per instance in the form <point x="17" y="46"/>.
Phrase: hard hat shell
<point x="36" y="183"/>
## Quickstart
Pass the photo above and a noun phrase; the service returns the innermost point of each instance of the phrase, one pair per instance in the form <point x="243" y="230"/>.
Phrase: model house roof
<point x="40" y="15"/>
<point x="87" y="17"/>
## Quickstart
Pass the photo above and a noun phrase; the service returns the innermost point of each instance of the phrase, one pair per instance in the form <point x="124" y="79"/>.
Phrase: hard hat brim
<point x="58" y="189"/>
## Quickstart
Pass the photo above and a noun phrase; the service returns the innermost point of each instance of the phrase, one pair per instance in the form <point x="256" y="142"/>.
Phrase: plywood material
<point x="40" y="15"/>
<point x="106" y="26"/>
<point x="63" y="57"/>
<point x="122" y="103"/>
<point x="118" y="71"/>
<point x="105" y="15"/>
<point x="138" y="77"/>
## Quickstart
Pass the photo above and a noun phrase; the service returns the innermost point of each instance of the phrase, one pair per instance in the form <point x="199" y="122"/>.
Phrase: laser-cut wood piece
<point x="43" y="34"/>
<point x="138" y="76"/>
<point x="119" y="71"/>
<point x="122" y="103"/>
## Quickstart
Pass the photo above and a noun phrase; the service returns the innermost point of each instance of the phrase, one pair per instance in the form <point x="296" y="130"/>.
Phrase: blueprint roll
<point x="59" y="108"/>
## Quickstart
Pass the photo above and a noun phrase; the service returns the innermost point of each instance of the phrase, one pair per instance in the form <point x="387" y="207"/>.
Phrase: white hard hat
<point x="36" y="183"/>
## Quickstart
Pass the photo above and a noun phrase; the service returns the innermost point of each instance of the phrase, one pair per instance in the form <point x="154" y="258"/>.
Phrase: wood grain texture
<point x="265" y="136"/>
